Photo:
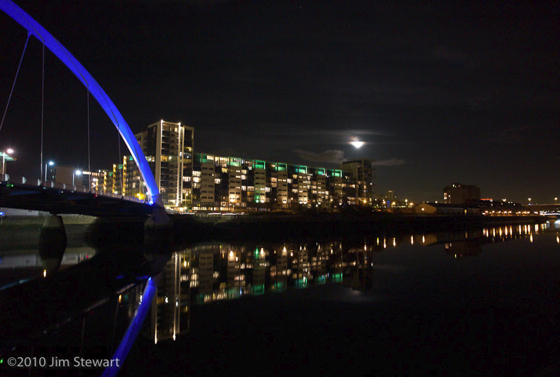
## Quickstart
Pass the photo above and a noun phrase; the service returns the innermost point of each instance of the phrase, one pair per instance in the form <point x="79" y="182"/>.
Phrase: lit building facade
<point x="360" y="181"/>
<point x="117" y="181"/>
<point x="229" y="183"/>
<point x="168" y="148"/>
<point x="95" y="180"/>
<point x="204" y="182"/>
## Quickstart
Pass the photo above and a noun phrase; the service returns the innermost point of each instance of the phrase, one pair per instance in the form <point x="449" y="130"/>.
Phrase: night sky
<point x="440" y="93"/>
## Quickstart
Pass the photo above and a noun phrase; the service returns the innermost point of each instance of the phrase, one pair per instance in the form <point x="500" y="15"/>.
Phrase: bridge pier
<point x="158" y="231"/>
<point x="52" y="242"/>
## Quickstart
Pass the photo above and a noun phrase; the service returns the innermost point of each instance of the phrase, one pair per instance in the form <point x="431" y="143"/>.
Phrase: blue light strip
<point x="135" y="325"/>
<point x="33" y="27"/>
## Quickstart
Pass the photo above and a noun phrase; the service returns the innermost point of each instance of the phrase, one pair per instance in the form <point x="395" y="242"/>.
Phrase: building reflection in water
<point x="213" y="272"/>
<point x="170" y="311"/>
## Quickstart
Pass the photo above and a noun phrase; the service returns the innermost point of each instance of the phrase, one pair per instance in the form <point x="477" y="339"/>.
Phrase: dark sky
<point x="440" y="93"/>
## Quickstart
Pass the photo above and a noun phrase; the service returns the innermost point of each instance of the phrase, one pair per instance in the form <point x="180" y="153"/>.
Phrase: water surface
<point x="478" y="303"/>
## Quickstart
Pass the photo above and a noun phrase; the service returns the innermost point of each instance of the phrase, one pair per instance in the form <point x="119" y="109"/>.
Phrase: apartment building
<point x="360" y="178"/>
<point x="230" y="183"/>
<point x="168" y="148"/>
<point x="205" y="182"/>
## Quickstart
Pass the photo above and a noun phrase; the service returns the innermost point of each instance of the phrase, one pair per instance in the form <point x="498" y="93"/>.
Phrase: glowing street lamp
<point x="74" y="174"/>
<point x="6" y="156"/>
<point x="50" y="163"/>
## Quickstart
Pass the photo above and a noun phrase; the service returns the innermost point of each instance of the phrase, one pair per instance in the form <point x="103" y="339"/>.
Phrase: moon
<point x="357" y="144"/>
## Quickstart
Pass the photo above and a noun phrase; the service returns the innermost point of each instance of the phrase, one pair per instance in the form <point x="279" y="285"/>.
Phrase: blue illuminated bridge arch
<point x="34" y="28"/>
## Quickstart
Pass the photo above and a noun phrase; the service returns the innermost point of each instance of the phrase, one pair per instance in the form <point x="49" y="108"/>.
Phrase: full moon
<point x="357" y="144"/>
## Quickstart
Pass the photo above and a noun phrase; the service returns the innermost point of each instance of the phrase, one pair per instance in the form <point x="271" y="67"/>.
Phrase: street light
<point x="50" y="163"/>
<point x="5" y="154"/>
<point x="74" y="174"/>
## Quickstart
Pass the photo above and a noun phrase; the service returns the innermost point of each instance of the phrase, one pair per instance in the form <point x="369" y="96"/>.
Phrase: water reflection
<point x="32" y="259"/>
<point x="209" y="273"/>
<point x="213" y="272"/>
<point x="25" y="265"/>
<point x="171" y="301"/>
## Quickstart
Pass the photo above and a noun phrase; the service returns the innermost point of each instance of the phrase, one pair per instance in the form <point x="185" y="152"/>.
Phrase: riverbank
<point x="23" y="233"/>
<point x="271" y="226"/>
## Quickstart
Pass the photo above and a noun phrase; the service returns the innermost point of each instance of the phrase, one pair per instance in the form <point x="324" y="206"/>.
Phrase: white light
<point x="357" y="144"/>
<point x="78" y="172"/>
<point x="10" y="151"/>
<point x="51" y="163"/>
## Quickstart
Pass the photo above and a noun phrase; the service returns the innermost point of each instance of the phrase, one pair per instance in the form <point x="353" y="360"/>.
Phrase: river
<point x="478" y="302"/>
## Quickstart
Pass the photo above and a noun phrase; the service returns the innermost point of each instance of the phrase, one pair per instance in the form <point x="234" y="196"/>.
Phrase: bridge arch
<point x="34" y="28"/>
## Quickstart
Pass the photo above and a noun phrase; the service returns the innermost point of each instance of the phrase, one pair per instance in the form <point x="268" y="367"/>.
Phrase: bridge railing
<point x="19" y="180"/>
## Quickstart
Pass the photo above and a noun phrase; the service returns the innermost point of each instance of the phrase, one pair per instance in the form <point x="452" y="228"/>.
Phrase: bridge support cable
<point x="120" y="159"/>
<point x="42" y="107"/>
<point x="88" y="143"/>
<point x="14" y="83"/>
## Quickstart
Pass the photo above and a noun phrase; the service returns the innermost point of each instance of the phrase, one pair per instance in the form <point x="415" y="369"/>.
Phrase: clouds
<point x="334" y="156"/>
<point x="508" y="135"/>
<point x="391" y="162"/>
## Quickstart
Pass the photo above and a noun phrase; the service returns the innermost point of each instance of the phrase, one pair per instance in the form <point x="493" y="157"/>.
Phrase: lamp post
<point x="7" y="152"/>
<point x="74" y="174"/>
<point x="50" y="163"/>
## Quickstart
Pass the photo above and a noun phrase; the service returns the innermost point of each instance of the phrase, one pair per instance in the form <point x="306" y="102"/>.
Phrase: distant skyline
<point x="438" y="93"/>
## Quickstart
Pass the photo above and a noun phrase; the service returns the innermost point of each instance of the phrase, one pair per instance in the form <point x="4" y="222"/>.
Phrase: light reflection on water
<point x="481" y="302"/>
<point x="24" y="265"/>
<point x="490" y="268"/>
<point x="374" y="269"/>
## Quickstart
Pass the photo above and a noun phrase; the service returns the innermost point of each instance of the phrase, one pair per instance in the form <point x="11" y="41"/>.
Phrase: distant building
<point x="461" y="194"/>
<point x="361" y="172"/>
<point x="389" y="199"/>
<point x="64" y="174"/>
<point x="117" y="179"/>
<point x="96" y="180"/>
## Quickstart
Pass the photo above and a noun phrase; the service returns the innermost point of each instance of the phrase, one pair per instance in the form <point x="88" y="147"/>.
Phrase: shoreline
<point x="328" y="225"/>
<point x="188" y="229"/>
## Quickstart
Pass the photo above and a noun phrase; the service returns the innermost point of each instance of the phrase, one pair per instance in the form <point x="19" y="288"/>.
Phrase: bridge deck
<point x="66" y="199"/>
